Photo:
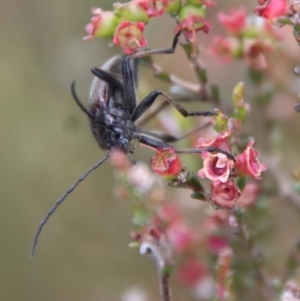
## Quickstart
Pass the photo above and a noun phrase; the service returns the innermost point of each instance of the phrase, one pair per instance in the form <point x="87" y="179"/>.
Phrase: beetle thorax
<point x="112" y="131"/>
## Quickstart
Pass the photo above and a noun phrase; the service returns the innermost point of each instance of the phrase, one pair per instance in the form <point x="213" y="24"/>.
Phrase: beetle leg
<point x="170" y="138"/>
<point x="129" y="76"/>
<point x="210" y="149"/>
<point x="115" y="83"/>
<point x="129" y="84"/>
<point x="145" y="104"/>
<point x="166" y="50"/>
<point x="151" y="140"/>
<point x="154" y="141"/>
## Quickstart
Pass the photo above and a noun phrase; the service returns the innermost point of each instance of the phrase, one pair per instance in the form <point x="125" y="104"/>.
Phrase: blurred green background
<point x="46" y="144"/>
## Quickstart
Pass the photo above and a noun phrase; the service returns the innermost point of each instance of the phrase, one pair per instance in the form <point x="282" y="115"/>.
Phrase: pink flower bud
<point x="129" y="36"/>
<point x="153" y="8"/>
<point x="166" y="163"/>
<point x="216" y="243"/>
<point x="234" y="21"/>
<point x="192" y="20"/>
<point x="223" y="48"/>
<point x="224" y="195"/>
<point x="103" y="24"/>
<point x="247" y="163"/>
<point x="272" y="9"/>
<point x="220" y="141"/>
<point x="256" y="52"/>
<point x="216" y="167"/>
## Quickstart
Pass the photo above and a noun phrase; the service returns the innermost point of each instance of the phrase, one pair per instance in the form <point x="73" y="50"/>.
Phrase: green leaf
<point x="215" y="92"/>
<point x="198" y="196"/>
<point x="241" y="183"/>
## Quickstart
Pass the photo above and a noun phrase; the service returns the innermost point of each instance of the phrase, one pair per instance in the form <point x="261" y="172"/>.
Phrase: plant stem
<point x="164" y="286"/>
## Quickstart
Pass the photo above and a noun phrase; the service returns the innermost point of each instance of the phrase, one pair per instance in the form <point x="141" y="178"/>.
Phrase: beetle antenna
<point x="60" y="201"/>
<point x="210" y="149"/>
<point x="79" y="103"/>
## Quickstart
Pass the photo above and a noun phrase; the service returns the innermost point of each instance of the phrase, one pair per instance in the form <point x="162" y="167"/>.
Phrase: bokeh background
<point x="46" y="144"/>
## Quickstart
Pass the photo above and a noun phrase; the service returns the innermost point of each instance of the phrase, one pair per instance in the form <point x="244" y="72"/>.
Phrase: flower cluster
<point x="126" y="23"/>
<point x="218" y="167"/>
<point x="281" y="12"/>
<point x="227" y="166"/>
<point x="191" y="246"/>
<point x="248" y="39"/>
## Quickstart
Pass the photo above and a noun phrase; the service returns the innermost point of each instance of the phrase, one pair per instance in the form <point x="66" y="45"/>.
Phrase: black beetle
<point x="113" y="112"/>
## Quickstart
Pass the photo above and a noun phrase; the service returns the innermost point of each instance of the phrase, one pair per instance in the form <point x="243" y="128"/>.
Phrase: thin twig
<point x="161" y="251"/>
<point x="164" y="286"/>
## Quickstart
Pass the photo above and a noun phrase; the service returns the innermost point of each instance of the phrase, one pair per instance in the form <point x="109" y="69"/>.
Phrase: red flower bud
<point x="224" y="195"/>
<point x="247" y="163"/>
<point x="129" y="36"/>
<point x="166" y="163"/>
<point x="216" y="167"/>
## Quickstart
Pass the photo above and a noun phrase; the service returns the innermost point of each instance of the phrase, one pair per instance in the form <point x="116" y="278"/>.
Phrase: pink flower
<point x="216" y="167"/>
<point x="220" y="141"/>
<point x="181" y="236"/>
<point x="216" y="243"/>
<point x="166" y="163"/>
<point x="255" y="54"/>
<point x="222" y="48"/>
<point x="247" y="163"/>
<point x="192" y="272"/>
<point x="103" y="24"/>
<point x="272" y="9"/>
<point x="216" y="221"/>
<point x="234" y="21"/>
<point x="169" y="213"/>
<point x="191" y="24"/>
<point x="120" y="160"/>
<point x="249" y="195"/>
<point x="224" y="195"/>
<point x="129" y="36"/>
<point x="153" y="8"/>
